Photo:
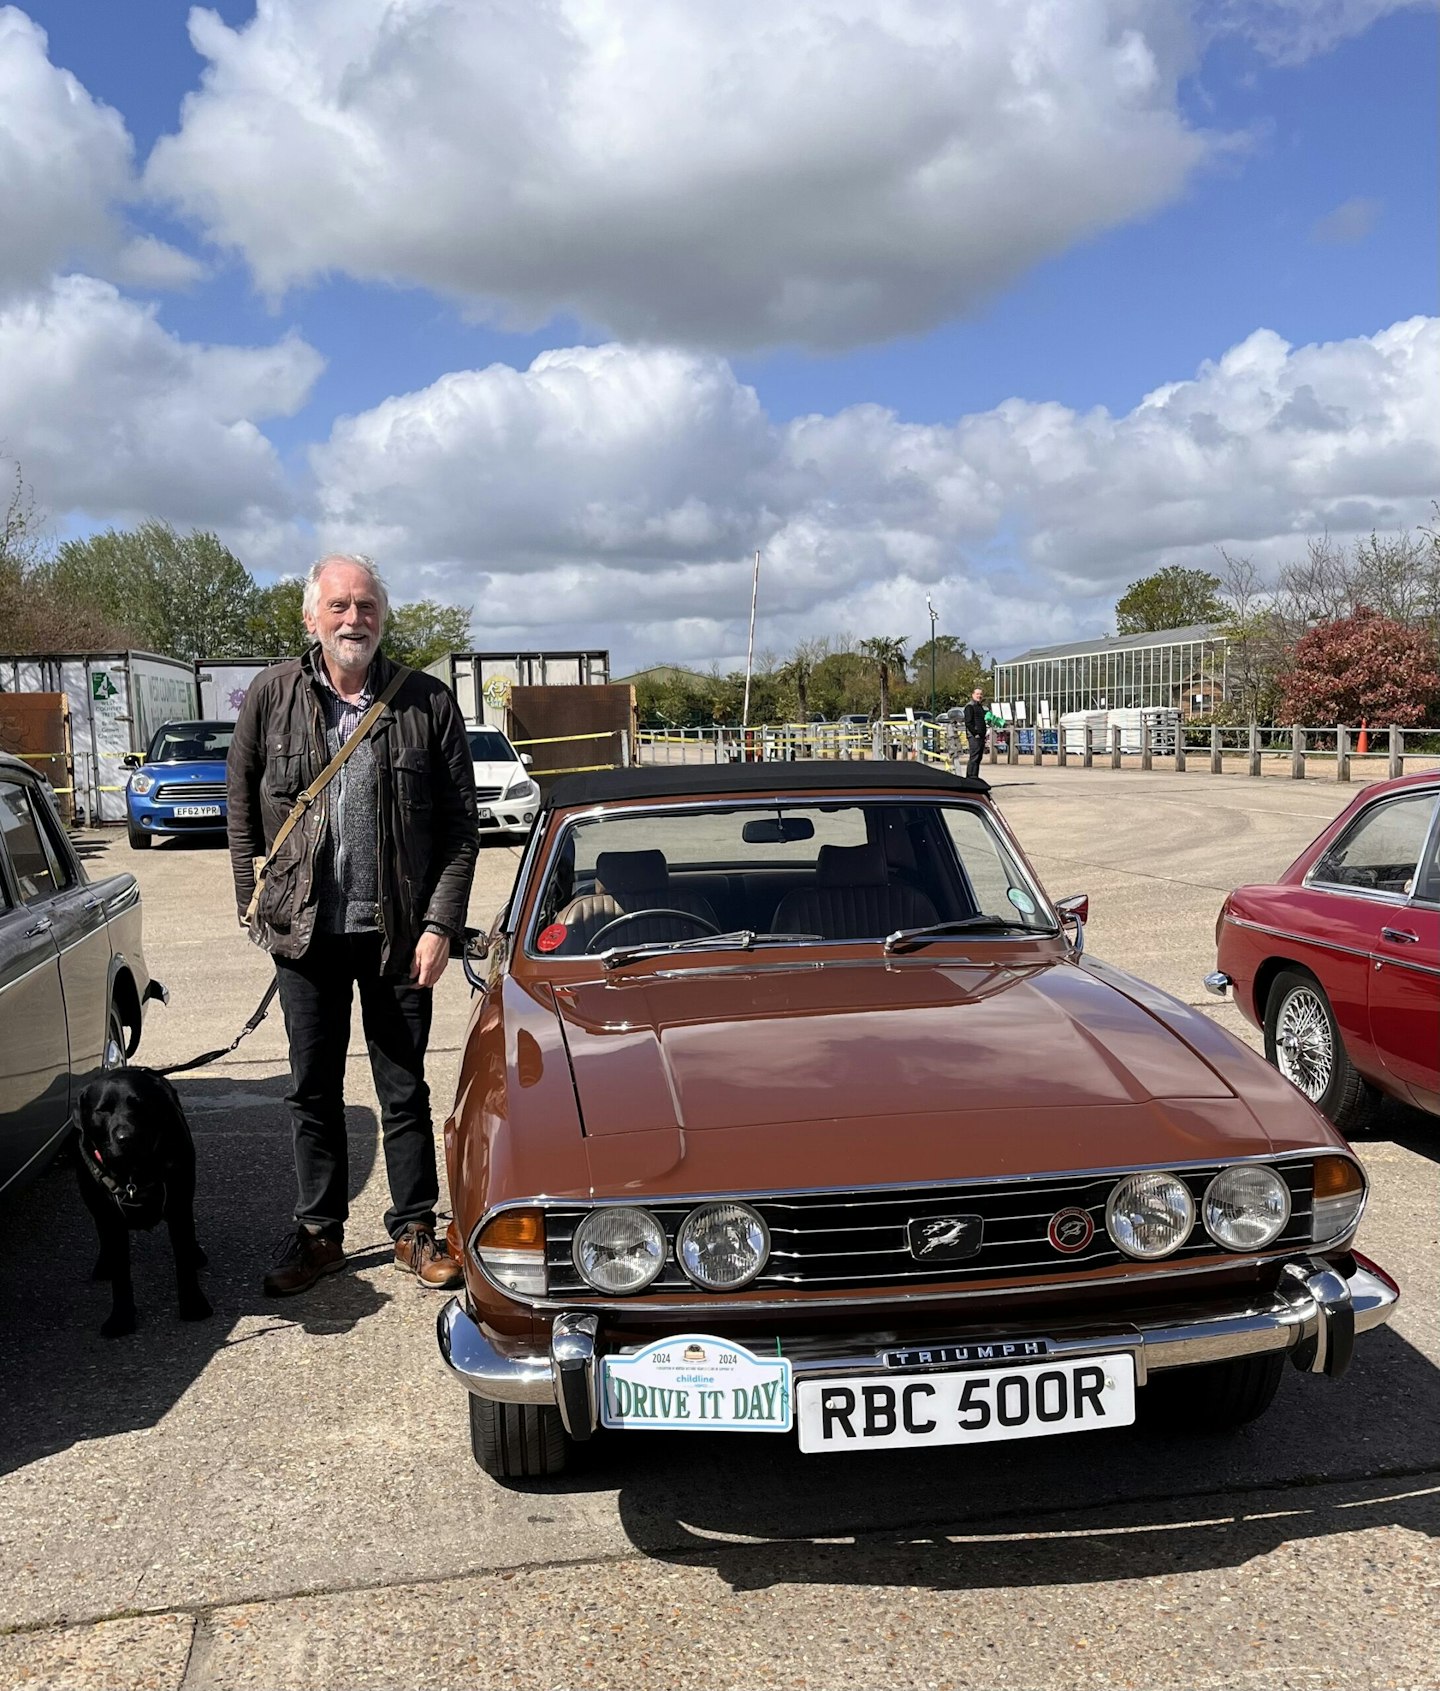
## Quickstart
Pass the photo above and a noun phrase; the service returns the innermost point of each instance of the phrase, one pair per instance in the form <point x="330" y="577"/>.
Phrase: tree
<point x="888" y="656"/>
<point x="1171" y="598"/>
<point x="423" y="630"/>
<point x="275" y="626"/>
<point x="797" y="671"/>
<point x="34" y="617"/>
<point x="958" y="670"/>
<point x="185" y="595"/>
<point x="1364" y="667"/>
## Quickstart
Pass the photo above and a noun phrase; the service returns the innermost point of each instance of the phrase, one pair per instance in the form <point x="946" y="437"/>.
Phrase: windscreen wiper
<point x="741" y="939"/>
<point x="907" y="939"/>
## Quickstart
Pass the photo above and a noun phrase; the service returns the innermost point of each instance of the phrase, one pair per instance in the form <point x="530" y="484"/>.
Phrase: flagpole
<point x="750" y="649"/>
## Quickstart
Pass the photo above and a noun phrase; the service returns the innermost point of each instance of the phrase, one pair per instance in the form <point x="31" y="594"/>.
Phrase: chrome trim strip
<point x="1298" y="939"/>
<point x="1397" y="961"/>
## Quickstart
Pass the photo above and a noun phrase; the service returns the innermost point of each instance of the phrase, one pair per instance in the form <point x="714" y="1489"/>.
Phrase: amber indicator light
<point x="1335" y="1176"/>
<point x="516" y="1230"/>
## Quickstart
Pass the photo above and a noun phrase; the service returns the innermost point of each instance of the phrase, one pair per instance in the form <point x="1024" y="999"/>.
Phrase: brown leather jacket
<point x="427" y="831"/>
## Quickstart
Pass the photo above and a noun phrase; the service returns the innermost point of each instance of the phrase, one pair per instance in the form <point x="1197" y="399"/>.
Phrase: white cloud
<point x="612" y="496"/>
<point x="145" y="262"/>
<point x="64" y="160"/>
<point x="1288" y="32"/>
<point x="714" y="172"/>
<point x="110" y="415"/>
<point x="1350" y="221"/>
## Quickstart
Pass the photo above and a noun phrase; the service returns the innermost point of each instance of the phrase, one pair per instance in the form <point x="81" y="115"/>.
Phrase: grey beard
<point x="347" y="655"/>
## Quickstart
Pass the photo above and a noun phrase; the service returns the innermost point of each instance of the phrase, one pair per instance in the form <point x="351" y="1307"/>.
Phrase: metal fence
<point x="1339" y="752"/>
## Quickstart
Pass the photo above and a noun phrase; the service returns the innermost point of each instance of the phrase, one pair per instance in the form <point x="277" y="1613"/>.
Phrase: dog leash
<point x="261" y="1011"/>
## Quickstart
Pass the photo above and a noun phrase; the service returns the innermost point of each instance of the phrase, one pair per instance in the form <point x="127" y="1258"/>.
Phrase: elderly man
<point x="366" y="891"/>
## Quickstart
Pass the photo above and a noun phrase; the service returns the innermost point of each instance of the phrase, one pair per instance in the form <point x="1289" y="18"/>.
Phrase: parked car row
<point x="178" y="786"/>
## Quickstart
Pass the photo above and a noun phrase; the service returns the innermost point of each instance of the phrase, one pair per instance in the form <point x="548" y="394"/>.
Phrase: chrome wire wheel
<point x="1304" y="1048"/>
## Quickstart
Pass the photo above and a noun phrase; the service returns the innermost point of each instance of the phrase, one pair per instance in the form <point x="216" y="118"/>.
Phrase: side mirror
<point x="527" y="760"/>
<point x="132" y="760"/>
<point x="1075" y="909"/>
<point x="474" y="947"/>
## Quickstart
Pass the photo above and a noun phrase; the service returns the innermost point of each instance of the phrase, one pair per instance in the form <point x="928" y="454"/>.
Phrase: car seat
<point x="853" y="897"/>
<point x="628" y="882"/>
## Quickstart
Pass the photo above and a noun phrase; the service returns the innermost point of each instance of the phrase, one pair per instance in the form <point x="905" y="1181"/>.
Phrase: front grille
<point x="190" y="792"/>
<point x="828" y="1241"/>
<point x="486" y="793"/>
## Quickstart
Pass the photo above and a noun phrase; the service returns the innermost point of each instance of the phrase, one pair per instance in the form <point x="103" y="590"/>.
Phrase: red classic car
<point x="1339" y="961"/>
<point x="791" y="1103"/>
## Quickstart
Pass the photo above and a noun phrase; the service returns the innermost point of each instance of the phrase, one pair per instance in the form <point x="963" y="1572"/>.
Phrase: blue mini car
<point x="179" y="785"/>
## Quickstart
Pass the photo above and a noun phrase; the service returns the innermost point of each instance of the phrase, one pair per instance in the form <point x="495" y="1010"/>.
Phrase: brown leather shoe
<point x="302" y="1258"/>
<point x="417" y="1253"/>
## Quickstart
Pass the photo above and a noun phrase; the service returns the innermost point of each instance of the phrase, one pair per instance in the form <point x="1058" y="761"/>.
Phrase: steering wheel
<point x="700" y="922"/>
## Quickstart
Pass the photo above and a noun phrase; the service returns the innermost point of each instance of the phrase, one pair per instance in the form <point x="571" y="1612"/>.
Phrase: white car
<point x="507" y="796"/>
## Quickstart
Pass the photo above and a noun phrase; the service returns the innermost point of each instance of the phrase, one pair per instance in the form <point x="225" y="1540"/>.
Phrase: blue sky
<point x="1274" y="175"/>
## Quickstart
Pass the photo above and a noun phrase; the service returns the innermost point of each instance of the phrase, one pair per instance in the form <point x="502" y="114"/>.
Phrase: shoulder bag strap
<point x="319" y="784"/>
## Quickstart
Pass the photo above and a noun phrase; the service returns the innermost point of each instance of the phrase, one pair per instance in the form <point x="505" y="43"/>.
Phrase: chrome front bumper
<point x="1218" y="983"/>
<point x="1314" y="1313"/>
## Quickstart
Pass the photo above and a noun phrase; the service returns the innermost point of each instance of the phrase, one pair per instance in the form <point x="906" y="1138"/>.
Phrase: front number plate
<point x="197" y="809"/>
<point x="974" y="1407"/>
<point x="696" y="1383"/>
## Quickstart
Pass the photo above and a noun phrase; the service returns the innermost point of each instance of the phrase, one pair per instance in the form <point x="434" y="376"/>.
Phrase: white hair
<point x="360" y="562"/>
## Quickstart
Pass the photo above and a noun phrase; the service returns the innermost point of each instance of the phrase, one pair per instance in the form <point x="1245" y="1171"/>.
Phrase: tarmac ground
<point x="284" y="1495"/>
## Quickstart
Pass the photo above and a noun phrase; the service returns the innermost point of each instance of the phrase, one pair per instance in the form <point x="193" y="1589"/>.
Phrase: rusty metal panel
<point x="36" y="727"/>
<point x="555" y="726"/>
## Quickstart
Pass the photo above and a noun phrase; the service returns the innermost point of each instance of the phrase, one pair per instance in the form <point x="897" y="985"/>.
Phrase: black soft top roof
<point x="675" y="780"/>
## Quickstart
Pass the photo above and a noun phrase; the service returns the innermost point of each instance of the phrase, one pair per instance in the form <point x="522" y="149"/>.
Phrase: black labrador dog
<point x="136" y="1166"/>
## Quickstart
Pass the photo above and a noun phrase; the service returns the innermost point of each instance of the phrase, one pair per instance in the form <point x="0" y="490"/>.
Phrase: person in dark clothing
<point x="366" y="892"/>
<point x="976" y="731"/>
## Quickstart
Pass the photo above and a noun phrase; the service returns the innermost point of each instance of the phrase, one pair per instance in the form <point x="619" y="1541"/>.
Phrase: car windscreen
<point x="489" y="745"/>
<point x="832" y="871"/>
<point x="187" y="742"/>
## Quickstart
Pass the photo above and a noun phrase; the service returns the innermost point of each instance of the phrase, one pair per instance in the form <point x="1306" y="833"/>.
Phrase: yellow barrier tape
<point x="579" y="769"/>
<point x="560" y="739"/>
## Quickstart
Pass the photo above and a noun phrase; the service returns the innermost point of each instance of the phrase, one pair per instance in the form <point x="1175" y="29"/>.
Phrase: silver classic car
<point x="73" y="980"/>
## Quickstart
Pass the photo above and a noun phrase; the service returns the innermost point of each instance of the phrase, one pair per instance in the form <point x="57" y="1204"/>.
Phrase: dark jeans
<point x="977" y="751"/>
<point x="315" y="994"/>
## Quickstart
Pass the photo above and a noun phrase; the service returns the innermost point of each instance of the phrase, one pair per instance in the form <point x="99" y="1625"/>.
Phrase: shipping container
<point x="117" y="701"/>
<point x="484" y="681"/>
<point x="224" y="683"/>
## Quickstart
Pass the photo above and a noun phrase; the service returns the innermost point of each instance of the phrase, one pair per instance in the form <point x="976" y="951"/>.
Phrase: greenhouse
<point x="1175" y="668"/>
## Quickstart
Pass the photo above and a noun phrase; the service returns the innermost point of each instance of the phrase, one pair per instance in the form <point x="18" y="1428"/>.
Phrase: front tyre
<point x="1217" y="1397"/>
<point x="517" y="1441"/>
<point x="1303" y="1042"/>
<point x="139" y="839"/>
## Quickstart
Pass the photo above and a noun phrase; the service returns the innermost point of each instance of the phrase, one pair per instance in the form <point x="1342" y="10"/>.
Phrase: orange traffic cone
<point x="1362" y="745"/>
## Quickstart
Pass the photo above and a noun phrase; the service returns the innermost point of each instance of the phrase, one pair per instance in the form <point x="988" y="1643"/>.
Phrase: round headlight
<point x="722" y="1246"/>
<point x="141" y="784"/>
<point x="619" y="1250"/>
<point x="1245" y="1208"/>
<point x="1150" y="1215"/>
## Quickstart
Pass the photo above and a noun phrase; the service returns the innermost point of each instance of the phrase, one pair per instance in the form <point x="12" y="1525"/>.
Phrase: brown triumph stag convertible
<point x="791" y="1102"/>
